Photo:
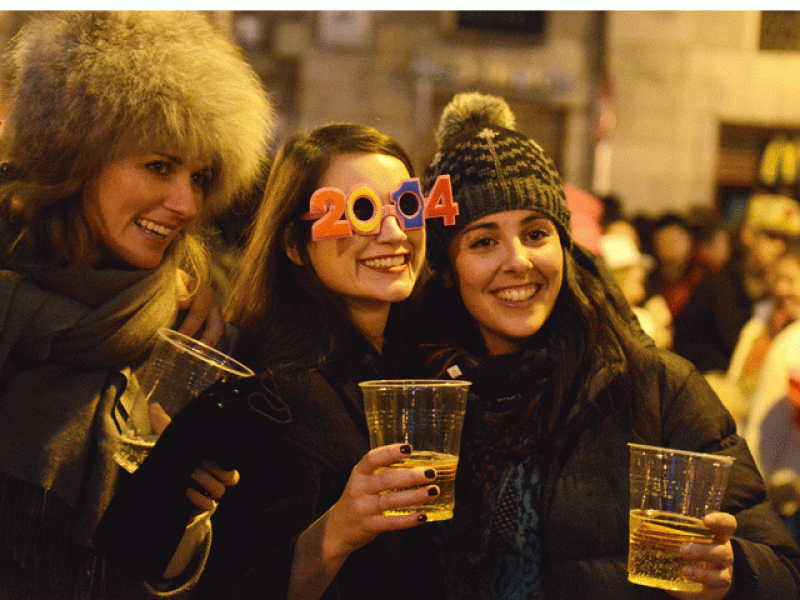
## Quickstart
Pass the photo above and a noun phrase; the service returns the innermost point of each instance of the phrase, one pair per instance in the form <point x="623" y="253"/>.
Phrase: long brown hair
<point x="273" y="299"/>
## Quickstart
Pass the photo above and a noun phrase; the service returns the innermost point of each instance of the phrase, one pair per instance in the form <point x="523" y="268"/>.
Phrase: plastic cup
<point x="428" y="414"/>
<point x="671" y="492"/>
<point x="178" y="369"/>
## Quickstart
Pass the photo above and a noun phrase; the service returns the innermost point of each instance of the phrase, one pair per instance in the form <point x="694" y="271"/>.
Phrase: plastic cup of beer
<point x="671" y="492"/>
<point x="428" y="414"/>
<point x="178" y="369"/>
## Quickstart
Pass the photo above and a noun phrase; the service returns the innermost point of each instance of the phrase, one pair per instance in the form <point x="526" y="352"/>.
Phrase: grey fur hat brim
<point x="81" y="88"/>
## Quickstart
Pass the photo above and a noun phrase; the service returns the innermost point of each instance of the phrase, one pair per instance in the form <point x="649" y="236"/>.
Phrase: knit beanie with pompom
<point x="492" y="168"/>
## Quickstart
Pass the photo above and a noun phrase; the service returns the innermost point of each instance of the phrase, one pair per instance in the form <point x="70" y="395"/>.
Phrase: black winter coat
<point x="585" y="495"/>
<point x="257" y="524"/>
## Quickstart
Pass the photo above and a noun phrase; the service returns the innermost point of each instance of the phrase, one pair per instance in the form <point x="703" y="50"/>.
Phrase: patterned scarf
<point x="491" y="548"/>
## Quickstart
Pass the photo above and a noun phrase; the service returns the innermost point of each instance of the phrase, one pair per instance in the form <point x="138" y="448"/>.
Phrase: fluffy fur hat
<point x="82" y="88"/>
<point x="492" y="168"/>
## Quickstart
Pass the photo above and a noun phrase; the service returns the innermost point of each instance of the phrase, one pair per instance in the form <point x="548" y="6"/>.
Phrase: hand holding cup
<point x="673" y="532"/>
<point x="428" y="415"/>
<point x="711" y="564"/>
<point x="179" y="369"/>
<point x="359" y="515"/>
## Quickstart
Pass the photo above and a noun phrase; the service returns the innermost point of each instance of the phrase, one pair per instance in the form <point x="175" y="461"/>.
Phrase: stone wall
<point x="677" y="76"/>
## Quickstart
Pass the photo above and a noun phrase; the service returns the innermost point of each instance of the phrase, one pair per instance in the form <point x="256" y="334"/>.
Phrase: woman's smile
<point x="509" y="267"/>
<point x="153" y="227"/>
<point x="389" y="264"/>
<point x="516" y="294"/>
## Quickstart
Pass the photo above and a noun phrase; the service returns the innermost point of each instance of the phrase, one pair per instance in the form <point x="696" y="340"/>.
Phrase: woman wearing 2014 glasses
<point x="320" y="296"/>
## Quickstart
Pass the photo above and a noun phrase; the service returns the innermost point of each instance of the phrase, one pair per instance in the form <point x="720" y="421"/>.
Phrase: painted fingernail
<point x="405" y="449"/>
<point x="433" y="491"/>
<point x="422" y="518"/>
<point x="430" y="474"/>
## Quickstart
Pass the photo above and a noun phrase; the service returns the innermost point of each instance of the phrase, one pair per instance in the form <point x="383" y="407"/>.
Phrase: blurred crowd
<point x="724" y="294"/>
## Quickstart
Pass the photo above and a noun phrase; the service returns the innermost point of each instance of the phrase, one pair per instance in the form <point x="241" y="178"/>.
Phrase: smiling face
<point x="509" y="267"/>
<point x="369" y="271"/>
<point x="137" y="205"/>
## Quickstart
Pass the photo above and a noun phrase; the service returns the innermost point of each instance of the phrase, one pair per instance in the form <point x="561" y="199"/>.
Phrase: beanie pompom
<point x="469" y="110"/>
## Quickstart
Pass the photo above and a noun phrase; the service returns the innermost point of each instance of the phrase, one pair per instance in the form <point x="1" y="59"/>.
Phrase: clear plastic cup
<point x="428" y="414"/>
<point x="178" y="369"/>
<point x="671" y="492"/>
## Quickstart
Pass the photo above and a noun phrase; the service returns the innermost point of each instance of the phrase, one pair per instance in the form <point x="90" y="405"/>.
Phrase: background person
<point x="770" y="316"/>
<point x="672" y="243"/>
<point x="561" y="383"/>
<point x="123" y="131"/>
<point x="319" y="316"/>
<point x="629" y="268"/>
<point x="768" y="359"/>
<point x="707" y="329"/>
<point x="773" y="424"/>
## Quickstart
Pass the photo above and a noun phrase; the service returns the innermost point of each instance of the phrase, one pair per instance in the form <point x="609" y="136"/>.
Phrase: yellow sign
<point x="779" y="161"/>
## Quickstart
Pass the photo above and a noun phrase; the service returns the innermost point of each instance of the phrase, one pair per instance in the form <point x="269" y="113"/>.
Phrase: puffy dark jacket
<point x="280" y="495"/>
<point x="586" y="494"/>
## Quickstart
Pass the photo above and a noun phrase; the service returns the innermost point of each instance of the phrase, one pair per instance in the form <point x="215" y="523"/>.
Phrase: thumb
<point x="158" y="418"/>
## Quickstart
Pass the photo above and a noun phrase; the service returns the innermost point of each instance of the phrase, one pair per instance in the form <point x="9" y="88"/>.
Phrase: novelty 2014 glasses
<point x="338" y="215"/>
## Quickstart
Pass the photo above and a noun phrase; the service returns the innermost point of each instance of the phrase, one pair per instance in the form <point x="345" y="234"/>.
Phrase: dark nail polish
<point x="430" y="474"/>
<point x="433" y="491"/>
<point x="405" y="449"/>
<point x="422" y="518"/>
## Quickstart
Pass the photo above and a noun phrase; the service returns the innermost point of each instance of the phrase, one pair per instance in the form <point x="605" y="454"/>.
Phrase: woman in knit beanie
<point x="563" y="379"/>
<point x="121" y="134"/>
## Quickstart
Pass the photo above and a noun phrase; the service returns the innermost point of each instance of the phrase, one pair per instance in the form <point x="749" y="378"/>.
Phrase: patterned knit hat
<point x="492" y="168"/>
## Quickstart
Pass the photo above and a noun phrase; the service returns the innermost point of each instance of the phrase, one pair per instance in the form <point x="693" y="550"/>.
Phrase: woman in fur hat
<point x="122" y="132"/>
<point x="563" y="380"/>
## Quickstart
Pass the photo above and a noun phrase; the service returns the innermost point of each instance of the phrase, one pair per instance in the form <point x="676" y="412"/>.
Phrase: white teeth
<point x="516" y="294"/>
<point x="153" y="227"/>
<point x="386" y="262"/>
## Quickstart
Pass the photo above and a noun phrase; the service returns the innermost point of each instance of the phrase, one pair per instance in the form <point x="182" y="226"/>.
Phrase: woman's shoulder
<point x="327" y="426"/>
<point x="314" y="392"/>
<point x="301" y="387"/>
<point x="664" y="368"/>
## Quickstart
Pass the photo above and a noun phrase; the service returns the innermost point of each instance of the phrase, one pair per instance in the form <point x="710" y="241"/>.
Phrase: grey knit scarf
<point x="68" y="345"/>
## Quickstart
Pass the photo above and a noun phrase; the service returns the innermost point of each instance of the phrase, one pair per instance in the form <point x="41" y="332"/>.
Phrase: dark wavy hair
<point x="591" y="322"/>
<point x="286" y="313"/>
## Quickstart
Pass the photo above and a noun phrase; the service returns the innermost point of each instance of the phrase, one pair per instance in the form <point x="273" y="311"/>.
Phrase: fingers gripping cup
<point x="428" y="414"/>
<point x="671" y="492"/>
<point x="178" y="369"/>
